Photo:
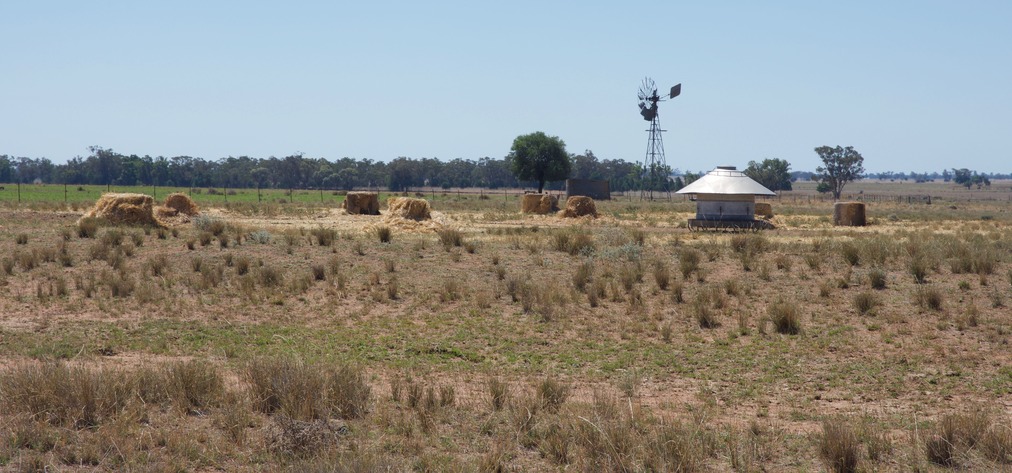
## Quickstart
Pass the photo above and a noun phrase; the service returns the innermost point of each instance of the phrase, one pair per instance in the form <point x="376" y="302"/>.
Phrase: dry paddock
<point x="486" y="338"/>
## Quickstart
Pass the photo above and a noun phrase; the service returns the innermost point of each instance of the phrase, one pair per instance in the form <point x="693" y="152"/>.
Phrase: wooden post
<point x="19" y="192"/>
<point x="64" y="192"/>
<point x="258" y="193"/>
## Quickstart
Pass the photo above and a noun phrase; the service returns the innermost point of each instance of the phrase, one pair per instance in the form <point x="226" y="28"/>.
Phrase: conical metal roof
<point x="725" y="180"/>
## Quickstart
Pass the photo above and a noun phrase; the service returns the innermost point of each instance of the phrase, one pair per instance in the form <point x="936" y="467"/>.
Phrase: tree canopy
<point x="839" y="167"/>
<point x="772" y="173"/>
<point x="539" y="157"/>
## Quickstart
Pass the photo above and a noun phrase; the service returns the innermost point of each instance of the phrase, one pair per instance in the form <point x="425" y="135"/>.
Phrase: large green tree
<point x="539" y="157"/>
<point x="772" y="173"/>
<point x="839" y="166"/>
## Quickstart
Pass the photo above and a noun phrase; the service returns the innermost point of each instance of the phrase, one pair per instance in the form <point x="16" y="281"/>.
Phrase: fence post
<point x="19" y="192"/>
<point x="64" y="192"/>
<point x="258" y="193"/>
<point x="291" y="195"/>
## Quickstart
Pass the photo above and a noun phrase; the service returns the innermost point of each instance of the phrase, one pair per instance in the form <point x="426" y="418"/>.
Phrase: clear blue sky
<point x="912" y="85"/>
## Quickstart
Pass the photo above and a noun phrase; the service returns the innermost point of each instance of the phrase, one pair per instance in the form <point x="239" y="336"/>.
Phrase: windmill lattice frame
<point x="654" y="161"/>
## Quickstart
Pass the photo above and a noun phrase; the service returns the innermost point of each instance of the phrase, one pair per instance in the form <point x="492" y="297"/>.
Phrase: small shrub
<point x="205" y="238"/>
<point x="21" y="239"/>
<point x="138" y="238"/>
<point x="262" y="237"/>
<point x="865" y="301"/>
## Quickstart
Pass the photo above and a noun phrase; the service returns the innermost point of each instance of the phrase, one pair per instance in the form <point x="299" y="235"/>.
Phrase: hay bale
<point x="579" y="206"/>
<point x="764" y="209"/>
<point x="849" y="214"/>
<point x="361" y="203"/>
<point x="182" y="204"/>
<point x="409" y="208"/>
<point x="538" y="204"/>
<point x="127" y="209"/>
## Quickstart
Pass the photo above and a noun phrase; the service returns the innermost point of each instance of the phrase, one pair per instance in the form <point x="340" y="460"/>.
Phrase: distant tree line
<point x="106" y="167"/>
<point x="297" y="171"/>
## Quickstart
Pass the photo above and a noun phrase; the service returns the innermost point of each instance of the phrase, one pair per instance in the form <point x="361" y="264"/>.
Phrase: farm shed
<point x="725" y="199"/>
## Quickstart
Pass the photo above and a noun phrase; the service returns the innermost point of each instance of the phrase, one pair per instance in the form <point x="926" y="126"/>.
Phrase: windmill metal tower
<point x="654" y="162"/>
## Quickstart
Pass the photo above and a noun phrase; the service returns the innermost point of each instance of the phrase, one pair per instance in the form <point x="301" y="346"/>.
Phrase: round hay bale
<point x="182" y="204"/>
<point x="409" y="208"/>
<point x="126" y="209"/>
<point x="764" y="209"/>
<point x="361" y="203"/>
<point x="849" y="214"/>
<point x="579" y="206"/>
<point x="538" y="204"/>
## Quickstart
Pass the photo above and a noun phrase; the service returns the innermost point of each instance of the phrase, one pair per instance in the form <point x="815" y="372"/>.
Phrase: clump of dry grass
<point x="384" y="233"/>
<point x="688" y="261"/>
<point x="307" y="391"/>
<point x="450" y="237"/>
<point x="877" y="279"/>
<point x="839" y="447"/>
<point x="552" y="393"/>
<point x="786" y="316"/>
<point x="865" y="302"/>
<point x="498" y="393"/>
<point x="928" y="298"/>
<point x="324" y="236"/>
<point x="573" y="242"/>
<point x="661" y="275"/>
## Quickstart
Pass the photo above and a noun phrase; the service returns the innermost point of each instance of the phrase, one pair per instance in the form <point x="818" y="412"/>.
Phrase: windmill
<point x="654" y="161"/>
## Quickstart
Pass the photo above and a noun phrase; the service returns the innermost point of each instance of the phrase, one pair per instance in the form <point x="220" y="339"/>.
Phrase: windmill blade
<point x="647" y="89"/>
